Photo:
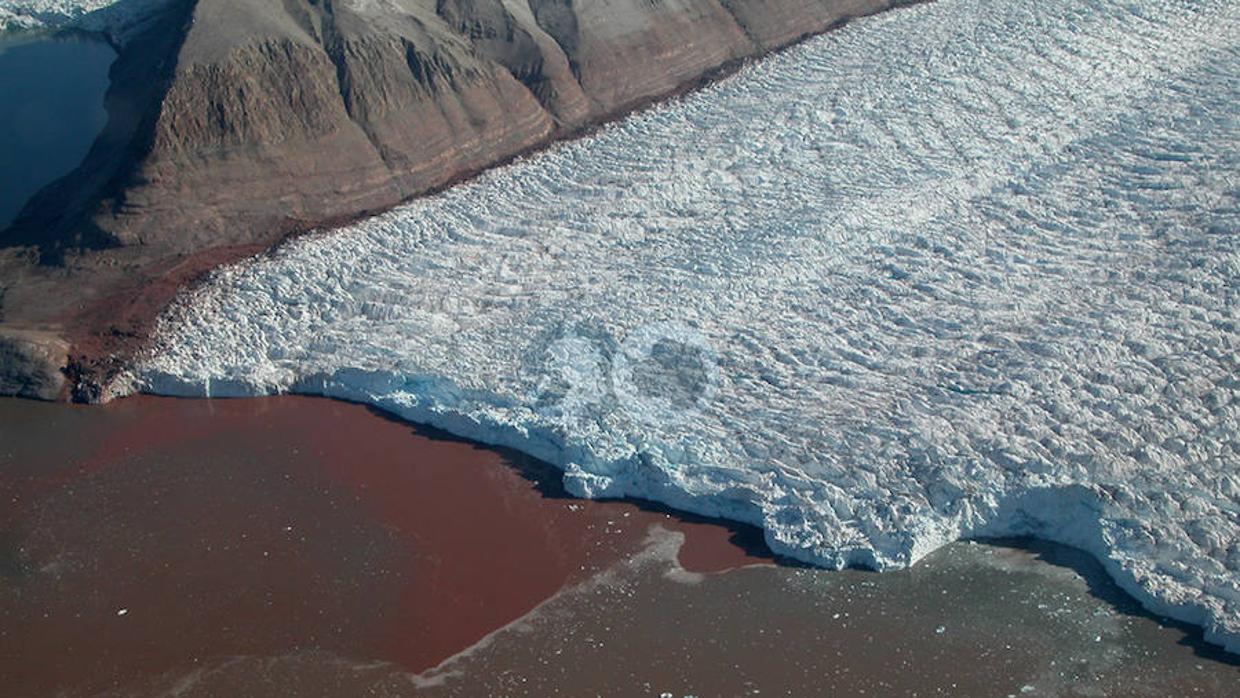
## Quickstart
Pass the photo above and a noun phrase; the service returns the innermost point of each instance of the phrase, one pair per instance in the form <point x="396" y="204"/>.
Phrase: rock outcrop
<point x="30" y="364"/>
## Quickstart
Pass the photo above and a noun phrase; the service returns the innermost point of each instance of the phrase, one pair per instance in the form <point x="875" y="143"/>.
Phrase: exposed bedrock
<point x="30" y="364"/>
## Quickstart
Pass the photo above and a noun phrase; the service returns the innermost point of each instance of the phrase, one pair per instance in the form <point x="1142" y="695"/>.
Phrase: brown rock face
<point x="30" y="364"/>
<point x="311" y="114"/>
<point x="625" y="51"/>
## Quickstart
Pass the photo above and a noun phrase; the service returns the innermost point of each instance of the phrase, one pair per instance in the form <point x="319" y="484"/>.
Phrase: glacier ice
<point x="965" y="269"/>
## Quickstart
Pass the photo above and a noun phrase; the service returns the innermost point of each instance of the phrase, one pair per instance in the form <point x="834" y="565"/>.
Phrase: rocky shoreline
<point x="234" y="124"/>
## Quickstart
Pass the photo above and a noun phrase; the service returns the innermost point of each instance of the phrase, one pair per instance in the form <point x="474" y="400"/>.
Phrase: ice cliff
<point x="965" y="269"/>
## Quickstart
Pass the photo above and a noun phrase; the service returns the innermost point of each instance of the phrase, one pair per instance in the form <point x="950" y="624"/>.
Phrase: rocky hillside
<point x="268" y="115"/>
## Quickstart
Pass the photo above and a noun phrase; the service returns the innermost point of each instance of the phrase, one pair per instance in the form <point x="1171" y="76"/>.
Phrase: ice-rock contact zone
<point x="967" y="269"/>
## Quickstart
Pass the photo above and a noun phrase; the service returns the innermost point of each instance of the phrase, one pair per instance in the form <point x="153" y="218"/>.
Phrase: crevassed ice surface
<point x="964" y="269"/>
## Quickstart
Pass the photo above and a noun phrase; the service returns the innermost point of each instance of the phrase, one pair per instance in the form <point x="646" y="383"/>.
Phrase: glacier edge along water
<point x="964" y="269"/>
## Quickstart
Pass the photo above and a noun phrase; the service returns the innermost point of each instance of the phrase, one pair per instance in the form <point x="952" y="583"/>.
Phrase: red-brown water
<point x="151" y="534"/>
<point x="299" y="546"/>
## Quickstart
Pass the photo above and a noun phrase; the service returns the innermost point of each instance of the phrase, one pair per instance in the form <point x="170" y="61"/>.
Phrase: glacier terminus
<point x="966" y="269"/>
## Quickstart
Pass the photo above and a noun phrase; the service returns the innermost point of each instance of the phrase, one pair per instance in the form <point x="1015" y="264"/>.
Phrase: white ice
<point x="964" y="269"/>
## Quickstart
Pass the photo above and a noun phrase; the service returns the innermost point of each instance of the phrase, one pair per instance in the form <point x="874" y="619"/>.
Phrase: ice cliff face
<point x="966" y="269"/>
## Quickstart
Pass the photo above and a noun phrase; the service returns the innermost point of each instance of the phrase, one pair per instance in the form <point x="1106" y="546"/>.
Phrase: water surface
<point x="299" y="546"/>
<point x="51" y="110"/>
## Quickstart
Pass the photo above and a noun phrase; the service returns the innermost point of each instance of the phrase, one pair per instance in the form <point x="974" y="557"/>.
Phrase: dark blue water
<point x="51" y="110"/>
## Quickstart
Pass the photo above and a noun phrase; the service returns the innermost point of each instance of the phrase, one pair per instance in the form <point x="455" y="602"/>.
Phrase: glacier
<point x="965" y="269"/>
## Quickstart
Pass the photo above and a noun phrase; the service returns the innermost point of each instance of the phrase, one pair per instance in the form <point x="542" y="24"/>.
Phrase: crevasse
<point x="964" y="269"/>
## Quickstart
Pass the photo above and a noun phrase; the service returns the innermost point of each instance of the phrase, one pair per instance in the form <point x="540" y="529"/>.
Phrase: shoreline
<point x="314" y="530"/>
<point x="308" y="518"/>
<point x="1186" y="616"/>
